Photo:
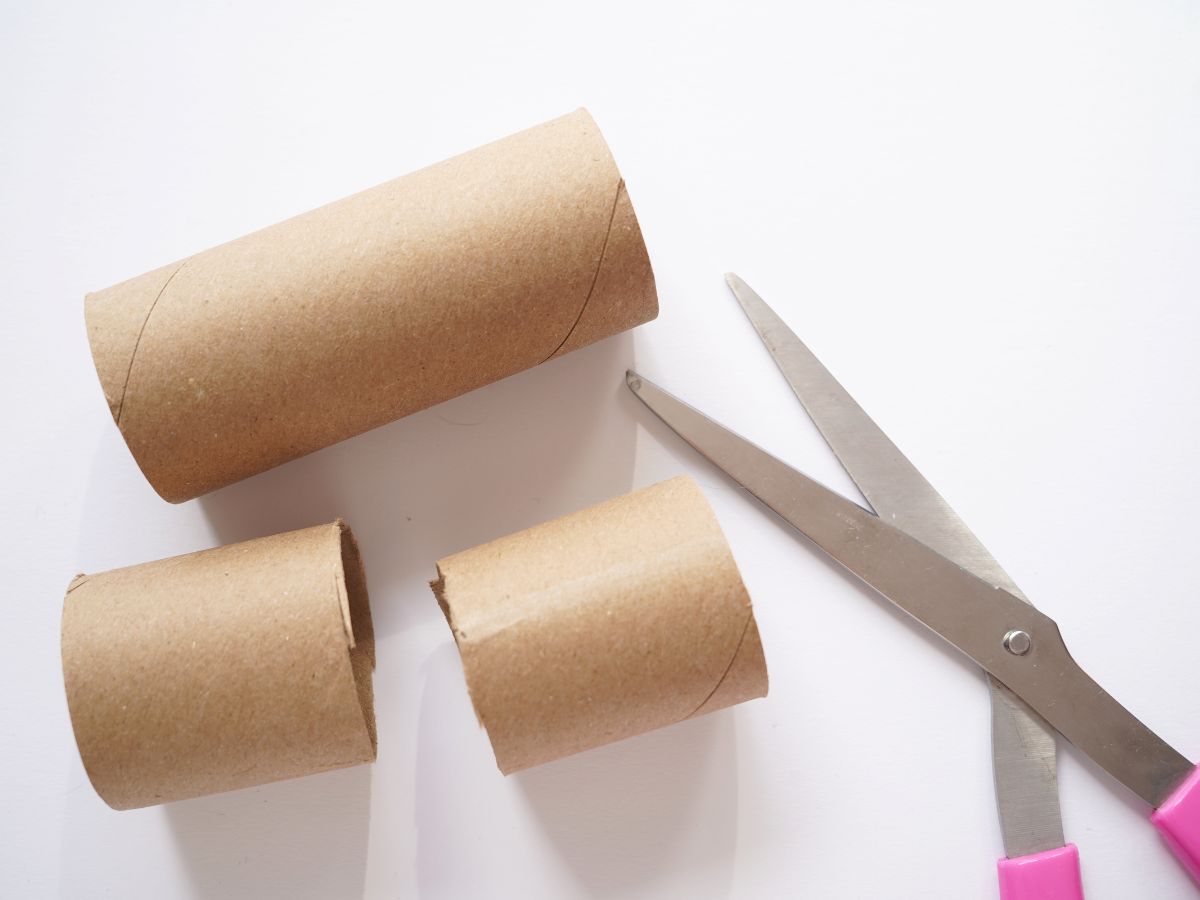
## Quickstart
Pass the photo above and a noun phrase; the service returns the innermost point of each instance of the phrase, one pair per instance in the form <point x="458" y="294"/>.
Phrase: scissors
<point x="914" y="550"/>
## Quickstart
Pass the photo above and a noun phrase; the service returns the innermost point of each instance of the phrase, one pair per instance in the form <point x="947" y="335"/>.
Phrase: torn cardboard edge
<point x="618" y="619"/>
<point x="438" y="587"/>
<point x="221" y="669"/>
<point x="350" y="580"/>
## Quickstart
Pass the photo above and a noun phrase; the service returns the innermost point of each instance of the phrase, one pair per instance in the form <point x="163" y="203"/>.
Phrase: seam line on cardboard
<point x="137" y="343"/>
<point x="728" y="667"/>
<point x="612" y="217"/>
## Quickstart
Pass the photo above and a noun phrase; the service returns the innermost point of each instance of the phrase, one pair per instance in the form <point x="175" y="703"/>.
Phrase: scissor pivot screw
<point x="1018" y="642"/>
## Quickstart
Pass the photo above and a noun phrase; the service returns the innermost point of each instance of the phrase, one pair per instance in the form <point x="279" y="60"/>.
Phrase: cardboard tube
<point x="221" y="669"/>
<point x="303" y="334"/>
<point x="601" y="625"/>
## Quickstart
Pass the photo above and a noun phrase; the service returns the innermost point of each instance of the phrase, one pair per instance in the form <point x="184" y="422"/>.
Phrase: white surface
<point x="983" y="217"/>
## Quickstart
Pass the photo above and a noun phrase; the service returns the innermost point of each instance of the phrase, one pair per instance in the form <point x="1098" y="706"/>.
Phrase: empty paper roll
<point x="222" y="669"/>
<point x="601" y="625"/>
<point x="251" y="354"/>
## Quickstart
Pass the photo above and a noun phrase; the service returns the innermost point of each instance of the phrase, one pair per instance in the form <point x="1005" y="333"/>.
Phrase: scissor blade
<point x="1023" y="747"/>
<point x="892" y="485"/>
<point x="966" y="611"/>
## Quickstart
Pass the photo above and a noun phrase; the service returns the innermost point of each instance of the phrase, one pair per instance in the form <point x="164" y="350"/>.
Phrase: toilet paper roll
<point x="601" y="625"/>
<point x="221" y="669"/>
<point x="251" y="354"/>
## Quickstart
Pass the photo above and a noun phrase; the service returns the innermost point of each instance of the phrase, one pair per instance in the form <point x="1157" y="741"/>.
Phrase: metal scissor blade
<point x="892" y="485"/>
<point x="974" y="616"/>
<point x="1023" y="747"/>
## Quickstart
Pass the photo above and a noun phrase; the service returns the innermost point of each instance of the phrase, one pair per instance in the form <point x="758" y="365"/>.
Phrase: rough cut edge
<point x="440" y="592"/>
<point x="352" y="595"/>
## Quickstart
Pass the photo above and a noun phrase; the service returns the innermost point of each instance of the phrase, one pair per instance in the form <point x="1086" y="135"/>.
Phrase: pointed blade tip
<point x="742" y="292"/>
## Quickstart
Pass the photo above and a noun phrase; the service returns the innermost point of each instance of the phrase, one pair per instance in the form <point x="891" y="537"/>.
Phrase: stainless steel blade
<point x="1024" y="754"/>
<point x="1006" y="636"/>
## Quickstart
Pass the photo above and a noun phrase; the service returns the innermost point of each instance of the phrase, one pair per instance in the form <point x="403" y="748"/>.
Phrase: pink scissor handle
<point x="1178" y="820"/>
<point x="1052" y="875"/>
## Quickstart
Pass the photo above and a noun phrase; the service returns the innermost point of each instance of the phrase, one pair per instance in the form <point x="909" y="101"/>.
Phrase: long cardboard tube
<point x="601" y="625"/>
<point x="251" y="354"/>
<point x="221" y="669"/>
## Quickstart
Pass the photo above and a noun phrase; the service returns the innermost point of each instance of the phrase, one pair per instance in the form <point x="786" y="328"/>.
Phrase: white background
<point x="984" y="217"/>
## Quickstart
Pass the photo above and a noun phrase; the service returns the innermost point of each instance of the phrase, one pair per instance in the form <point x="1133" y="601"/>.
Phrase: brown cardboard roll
<point x="251" y="354"/>
<point x="221" y="669"/>
<point x="601" y="625"/>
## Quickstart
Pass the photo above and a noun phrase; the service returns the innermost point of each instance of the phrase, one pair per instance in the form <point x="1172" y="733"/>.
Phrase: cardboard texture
<point x="221" y="669"/>
<point x="601" y="625"/>
<point x="259" y="351"/>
